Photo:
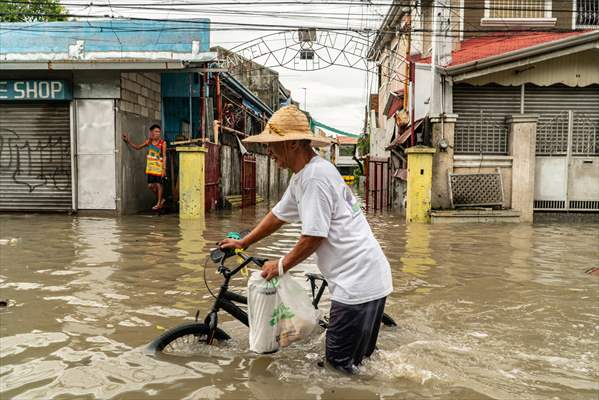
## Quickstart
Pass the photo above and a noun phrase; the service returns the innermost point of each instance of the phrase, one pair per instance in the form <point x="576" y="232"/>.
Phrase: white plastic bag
<point x="262" y="301"/>
<point x="279" y="311"/>
<point x="297" y="317"/>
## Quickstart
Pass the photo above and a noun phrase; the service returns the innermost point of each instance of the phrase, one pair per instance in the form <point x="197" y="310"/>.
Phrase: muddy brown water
<point x="484" y="312"/>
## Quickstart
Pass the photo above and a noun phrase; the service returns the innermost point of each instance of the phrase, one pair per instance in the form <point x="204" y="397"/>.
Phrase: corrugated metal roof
<point x="482" y="47"/>
<point x="250" y="100"/>
<point x="346" y="140"/>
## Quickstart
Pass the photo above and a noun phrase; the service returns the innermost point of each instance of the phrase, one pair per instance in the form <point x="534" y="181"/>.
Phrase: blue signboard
<point x="50" y="89"/>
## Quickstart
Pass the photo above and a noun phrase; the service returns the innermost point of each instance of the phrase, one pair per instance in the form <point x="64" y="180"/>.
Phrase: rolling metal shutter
<point x="552" y="104"/>
<point x="482" y="110"/>
<point x="35" y="157"/>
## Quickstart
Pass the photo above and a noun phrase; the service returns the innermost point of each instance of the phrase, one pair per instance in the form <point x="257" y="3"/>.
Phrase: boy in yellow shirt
<point x="155" y="163"/>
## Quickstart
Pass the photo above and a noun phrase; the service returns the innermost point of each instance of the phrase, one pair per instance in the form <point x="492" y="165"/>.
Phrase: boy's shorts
<point x="155" y="179"/>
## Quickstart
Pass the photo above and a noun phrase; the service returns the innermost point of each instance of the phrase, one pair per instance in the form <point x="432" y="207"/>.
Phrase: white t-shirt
<point x="350" y="258"/>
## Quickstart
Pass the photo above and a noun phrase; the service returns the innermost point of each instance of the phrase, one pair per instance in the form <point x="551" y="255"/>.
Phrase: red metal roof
<point x="346" y="140"/>
<point x="482" y="47"/>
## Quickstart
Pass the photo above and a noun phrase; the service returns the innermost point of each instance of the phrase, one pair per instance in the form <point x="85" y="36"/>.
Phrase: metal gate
<point x="567" y="147"/>
<point x="482" y="110"/>
<point x="248" y="181"/>
<point x="377" y="170"/>
<point x="212" y="179"/>
<point x="35" y="156"/>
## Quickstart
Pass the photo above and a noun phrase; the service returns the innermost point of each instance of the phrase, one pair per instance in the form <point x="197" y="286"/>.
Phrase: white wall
<point x="96" y="168"/>
<point x="422" y="89"/>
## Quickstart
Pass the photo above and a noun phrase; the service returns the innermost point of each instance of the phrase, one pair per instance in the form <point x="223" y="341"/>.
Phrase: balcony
<point x="587" y="14"/>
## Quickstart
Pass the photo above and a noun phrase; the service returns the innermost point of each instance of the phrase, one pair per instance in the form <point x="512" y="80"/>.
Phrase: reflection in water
<point x="191" y="255"/>
<point x="416" y="259"/>
<point x="98" y="240"/>
<point x="484" y="311"/>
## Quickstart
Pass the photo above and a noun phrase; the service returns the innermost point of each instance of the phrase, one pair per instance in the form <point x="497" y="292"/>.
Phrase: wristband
<point x="281" y="270"/>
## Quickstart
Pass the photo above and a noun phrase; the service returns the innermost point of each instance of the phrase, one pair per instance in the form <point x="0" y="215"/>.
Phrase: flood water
<point x="483" y="312"/>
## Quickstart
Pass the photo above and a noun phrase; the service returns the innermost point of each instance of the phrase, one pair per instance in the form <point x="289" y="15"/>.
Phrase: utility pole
<point x="441" y="54"/>
<point x="410" y="79"/>
<point x="435" y="103"/>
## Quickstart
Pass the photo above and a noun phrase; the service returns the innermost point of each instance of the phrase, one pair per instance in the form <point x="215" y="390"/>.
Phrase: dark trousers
<point x="352" y="332"/>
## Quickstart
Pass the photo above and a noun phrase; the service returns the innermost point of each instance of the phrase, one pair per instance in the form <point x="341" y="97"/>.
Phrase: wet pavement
<point x="484" y="311"/>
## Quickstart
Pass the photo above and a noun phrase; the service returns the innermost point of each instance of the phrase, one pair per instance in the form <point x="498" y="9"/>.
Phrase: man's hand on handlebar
<point x="231" y="244"/>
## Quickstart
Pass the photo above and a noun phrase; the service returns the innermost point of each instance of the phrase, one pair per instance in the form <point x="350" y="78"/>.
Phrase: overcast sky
<point x="335" y="96"/>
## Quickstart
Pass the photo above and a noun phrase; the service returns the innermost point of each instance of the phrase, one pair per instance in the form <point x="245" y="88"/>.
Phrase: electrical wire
<point x="141" y="6"/>
<point x="205" y="280"/>
<point x="208" y="25"/>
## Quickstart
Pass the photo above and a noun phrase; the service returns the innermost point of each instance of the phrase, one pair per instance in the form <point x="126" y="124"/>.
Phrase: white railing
<point x="587" y="14"/>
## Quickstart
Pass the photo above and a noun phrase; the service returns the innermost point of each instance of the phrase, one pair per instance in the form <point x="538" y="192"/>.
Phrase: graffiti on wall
<point x="43" y="162"/>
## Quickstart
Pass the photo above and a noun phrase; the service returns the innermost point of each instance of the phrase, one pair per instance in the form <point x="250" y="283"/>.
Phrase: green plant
<point x="364" y="145"/>
<point x="32" y="10"/>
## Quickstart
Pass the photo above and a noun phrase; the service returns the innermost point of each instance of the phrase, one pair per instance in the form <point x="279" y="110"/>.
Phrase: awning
<point x="394" y="103"/>
<point x="401" y="139"/>
<point x="249" y="99"/>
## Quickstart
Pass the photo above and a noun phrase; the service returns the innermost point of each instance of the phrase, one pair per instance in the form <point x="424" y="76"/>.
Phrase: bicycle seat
<point x="312" y="276"/>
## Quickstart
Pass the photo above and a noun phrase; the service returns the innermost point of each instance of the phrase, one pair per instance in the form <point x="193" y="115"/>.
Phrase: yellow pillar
<point x="420" y="181"/>
<point x="191" y="181"/>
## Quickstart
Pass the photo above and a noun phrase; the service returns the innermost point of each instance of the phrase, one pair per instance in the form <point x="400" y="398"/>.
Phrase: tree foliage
<point x="32" y="11"/>
<point x="364" y="145"/>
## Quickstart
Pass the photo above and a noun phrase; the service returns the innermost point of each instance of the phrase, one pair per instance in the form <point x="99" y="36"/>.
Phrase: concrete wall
<point x="131" y="164"/>
<point x="271" y="181"/>
<point x="140" y="94"/>
<point x="230" y="169"/>
<point x="262" y="174"/>
<point x="284" y="177"/>
<point x="393" y="70"/>
<point x="138" y="109"/>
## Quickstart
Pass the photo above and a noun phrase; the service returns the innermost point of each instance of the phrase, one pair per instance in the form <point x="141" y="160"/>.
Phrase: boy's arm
<point x="135" y="146"/>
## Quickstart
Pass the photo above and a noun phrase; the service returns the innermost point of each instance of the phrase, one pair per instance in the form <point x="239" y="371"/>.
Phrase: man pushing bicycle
<point x="334" y="228"/>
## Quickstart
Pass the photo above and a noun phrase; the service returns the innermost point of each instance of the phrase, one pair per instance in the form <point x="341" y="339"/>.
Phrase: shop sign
<point x="35" y="90"/>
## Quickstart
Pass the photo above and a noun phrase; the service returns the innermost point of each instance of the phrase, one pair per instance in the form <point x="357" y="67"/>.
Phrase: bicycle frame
<point x="225" y="298"/>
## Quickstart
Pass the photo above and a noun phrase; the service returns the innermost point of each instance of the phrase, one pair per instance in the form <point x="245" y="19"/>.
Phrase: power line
<point x="194" y="21"/>
<point x="142" y="6"/>
<point x="208" y="25"/>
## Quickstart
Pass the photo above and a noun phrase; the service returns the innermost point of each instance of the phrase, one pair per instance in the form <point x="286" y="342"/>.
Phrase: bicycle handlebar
<point x="219" y="256"/>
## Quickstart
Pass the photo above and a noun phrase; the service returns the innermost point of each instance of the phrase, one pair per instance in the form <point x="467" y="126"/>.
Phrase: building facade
<point x="65" y="101"/>
<point x="500" y="68"/>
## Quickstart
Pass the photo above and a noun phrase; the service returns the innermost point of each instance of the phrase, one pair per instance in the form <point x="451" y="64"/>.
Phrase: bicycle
<point x="208" y="332"/>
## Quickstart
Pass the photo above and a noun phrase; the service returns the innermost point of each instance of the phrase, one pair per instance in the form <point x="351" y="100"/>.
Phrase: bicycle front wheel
<point x="187" y="339"/>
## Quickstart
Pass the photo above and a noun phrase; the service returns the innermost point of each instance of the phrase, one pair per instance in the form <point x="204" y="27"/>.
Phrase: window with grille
<point x="509" y="9"/>
<point x="587" y="14"/>
<point x="482" y="111"/>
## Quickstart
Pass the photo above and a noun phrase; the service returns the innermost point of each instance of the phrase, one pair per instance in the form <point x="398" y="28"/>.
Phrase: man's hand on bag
<point x="270" y="269"/>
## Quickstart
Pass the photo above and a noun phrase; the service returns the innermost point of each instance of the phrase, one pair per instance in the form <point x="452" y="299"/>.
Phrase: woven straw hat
<point x="288" y="123"/>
